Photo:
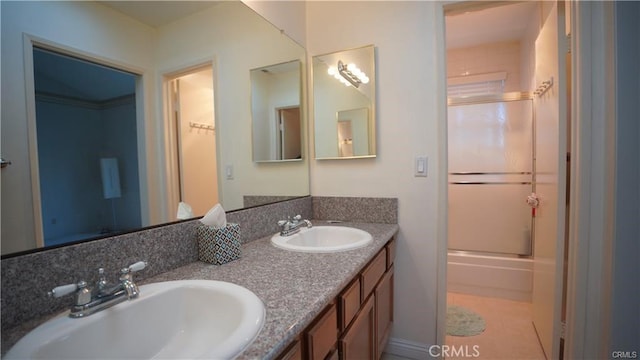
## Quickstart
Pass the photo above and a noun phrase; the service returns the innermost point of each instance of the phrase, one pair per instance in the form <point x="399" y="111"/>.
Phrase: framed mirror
<point x="276" y="112"/>
<point x="344" y="93"/>
<point x="156" y="43"/>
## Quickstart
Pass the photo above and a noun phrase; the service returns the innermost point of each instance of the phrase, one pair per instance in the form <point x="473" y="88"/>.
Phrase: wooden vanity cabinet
<point x="369" y="333"/>
<point x="358" y="323"/>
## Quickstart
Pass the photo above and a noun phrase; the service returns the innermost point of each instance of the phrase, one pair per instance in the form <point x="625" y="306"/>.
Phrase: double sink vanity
<point x="326" y="291"/>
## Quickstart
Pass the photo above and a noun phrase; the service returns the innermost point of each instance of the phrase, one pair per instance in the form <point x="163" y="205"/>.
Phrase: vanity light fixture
<point x="349" y="75"/>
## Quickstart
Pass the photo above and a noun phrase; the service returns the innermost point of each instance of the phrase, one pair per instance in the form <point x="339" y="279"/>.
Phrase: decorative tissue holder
<point x="219" y="246"/>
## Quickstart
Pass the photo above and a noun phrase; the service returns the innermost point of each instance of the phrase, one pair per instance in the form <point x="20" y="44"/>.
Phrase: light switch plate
<point x="421" y="166"/>
<point x="229" y="172"/>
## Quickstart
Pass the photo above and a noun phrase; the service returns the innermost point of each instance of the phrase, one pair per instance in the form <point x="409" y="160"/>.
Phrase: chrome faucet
<point x="292" y="226"/>
<point x="103" y="296"/>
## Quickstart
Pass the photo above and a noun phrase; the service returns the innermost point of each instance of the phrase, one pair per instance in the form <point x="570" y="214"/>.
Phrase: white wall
<point x="106" y="35"/>
<point x="410" y="109"/>
<point x="488" y="58"/>
<point x="286" y="15"/>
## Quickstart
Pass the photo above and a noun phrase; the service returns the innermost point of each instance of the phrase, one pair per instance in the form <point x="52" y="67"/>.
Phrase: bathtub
<point x="495" y="276"/>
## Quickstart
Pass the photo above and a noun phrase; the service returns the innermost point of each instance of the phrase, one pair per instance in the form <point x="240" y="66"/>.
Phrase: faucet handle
<point x="297" y="217"/>
<point x="134" y="267"/>
<point x="137" y="266"/>
<point x="63" y="290"/>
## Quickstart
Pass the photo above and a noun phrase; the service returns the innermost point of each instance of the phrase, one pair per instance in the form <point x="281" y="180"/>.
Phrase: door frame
<point x="279" y="131"/>
<point x="29" y="43"/>
<point x="591" y="214"/>
<point x="592" y="148"/>
<point x="173" y="187"/>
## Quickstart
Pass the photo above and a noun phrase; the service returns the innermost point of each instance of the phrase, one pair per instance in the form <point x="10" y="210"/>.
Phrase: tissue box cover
<point x="219" y="246"/>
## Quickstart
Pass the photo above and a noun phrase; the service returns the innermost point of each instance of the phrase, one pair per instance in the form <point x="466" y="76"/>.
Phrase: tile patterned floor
<point x="509" y="332"/>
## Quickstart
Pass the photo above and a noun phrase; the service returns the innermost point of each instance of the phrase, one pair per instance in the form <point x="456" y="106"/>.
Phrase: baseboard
<point x="407" y="349"/>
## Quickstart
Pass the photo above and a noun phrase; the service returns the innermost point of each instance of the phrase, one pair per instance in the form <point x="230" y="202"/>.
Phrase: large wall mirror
<point x="276" y="96"/>
<point x="95" y="162"/>
<point x="344" y="93"/>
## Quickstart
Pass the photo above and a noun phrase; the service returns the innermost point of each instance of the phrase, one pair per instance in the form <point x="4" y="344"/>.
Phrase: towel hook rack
<point x="542" y="88"/>
<point x="202" y="126"/>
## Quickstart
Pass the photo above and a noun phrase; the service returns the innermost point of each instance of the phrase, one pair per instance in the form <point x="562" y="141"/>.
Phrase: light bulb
<point x="352" y="67"/>
<point x="332" y="71"/>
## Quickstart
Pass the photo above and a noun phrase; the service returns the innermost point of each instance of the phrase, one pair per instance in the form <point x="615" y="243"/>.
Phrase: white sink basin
<point x="190" y="319"/>
<point x="323" y="239"/>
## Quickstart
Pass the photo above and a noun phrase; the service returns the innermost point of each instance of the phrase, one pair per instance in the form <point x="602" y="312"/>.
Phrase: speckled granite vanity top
<point x="294" y="286"/>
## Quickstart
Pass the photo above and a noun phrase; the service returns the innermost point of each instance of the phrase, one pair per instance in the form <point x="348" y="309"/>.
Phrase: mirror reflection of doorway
<point x="87" y="148"/>
<point x="193" y="122"/>
<point x="288" y="133"/>
<point x="345" y="138"/>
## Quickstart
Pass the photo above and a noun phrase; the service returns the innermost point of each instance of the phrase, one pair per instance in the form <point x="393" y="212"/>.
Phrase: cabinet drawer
<point x="349" y="301"/>
<point x="322" y="337"/>
<point x="391" y="252"/>
<point x="372" y="273"/>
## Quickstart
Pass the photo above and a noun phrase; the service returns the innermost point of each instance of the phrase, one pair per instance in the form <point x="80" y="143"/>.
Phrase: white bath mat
<point x="463" y="322"/>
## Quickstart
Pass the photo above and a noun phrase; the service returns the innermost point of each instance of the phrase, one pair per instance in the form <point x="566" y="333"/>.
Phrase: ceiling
<point x="158" y="13"/>
<point x="495" y="24"/>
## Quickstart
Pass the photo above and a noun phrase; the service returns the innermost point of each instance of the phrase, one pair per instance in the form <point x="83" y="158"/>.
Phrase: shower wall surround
<point x="26" y="279"/>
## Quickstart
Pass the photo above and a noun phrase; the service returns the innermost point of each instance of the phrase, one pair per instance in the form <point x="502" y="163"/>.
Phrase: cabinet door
<point x="384" y="310"/>
<point x="322" y="337"/>
<point x="293" y="352"/>
<point x="359" y="340"/>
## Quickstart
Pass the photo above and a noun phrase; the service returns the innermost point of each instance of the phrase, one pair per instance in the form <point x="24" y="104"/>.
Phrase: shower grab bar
<point x="490" y="183"/>
<point x="491" y="173"/>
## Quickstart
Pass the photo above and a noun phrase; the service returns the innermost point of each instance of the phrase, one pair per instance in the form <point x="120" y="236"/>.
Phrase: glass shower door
<point x="490" y="176"/>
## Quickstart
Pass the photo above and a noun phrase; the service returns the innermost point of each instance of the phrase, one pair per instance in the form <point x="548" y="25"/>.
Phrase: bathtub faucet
<point x="102" y="296"/>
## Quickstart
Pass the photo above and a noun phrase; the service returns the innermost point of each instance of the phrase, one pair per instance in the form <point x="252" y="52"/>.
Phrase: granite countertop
<point x="294" y="286"/>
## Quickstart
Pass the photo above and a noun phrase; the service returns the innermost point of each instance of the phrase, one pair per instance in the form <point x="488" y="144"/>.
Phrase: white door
<point x="550" y="180"/>
<point x="289" y="137"/>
